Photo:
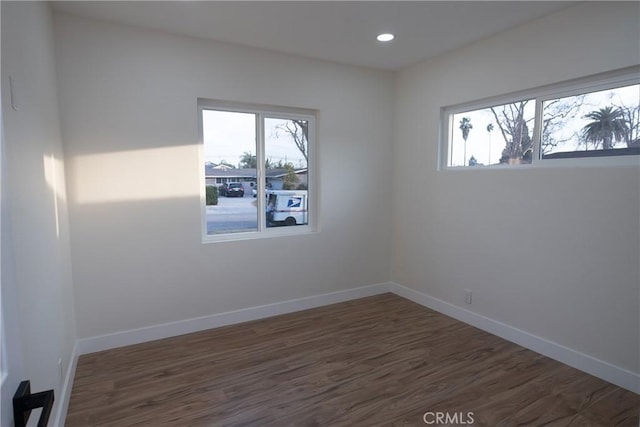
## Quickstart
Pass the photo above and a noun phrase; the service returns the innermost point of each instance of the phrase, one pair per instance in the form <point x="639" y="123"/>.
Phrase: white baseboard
<point x="601" y="369"/>
<point x="62" y="406"/>
<point x="598" y="368"/>
<point x="151" y="333"/>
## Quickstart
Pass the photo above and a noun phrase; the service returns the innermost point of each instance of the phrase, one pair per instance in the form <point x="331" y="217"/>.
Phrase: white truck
<point x="287" y="207"/>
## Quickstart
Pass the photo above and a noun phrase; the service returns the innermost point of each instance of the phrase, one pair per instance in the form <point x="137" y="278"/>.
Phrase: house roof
<point x="212" y="172"/>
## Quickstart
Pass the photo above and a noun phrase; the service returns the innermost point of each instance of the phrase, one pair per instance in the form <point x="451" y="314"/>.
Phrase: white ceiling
<point x="342" y="32"/>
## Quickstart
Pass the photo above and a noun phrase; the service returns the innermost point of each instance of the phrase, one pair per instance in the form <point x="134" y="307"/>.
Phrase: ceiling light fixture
<point x="386" y="37"/>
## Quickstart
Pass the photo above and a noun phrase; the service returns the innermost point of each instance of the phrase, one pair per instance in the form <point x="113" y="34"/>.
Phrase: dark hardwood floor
<point x="381" y="360"/>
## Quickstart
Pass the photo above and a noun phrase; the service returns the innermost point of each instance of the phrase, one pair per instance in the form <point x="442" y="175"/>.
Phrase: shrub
<point x="290" y="179"/>
<point x="212" y="195"/>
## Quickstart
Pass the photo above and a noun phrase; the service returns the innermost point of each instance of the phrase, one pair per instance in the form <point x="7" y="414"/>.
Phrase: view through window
<point x="604" y="122"/>
<point x="494" y="135"/>
<point x="596" y="118"/>
<point x="256" y="168"/>
<point x="229" y="141"/>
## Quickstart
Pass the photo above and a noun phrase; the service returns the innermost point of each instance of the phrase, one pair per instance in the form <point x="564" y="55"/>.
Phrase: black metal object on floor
<point x="24" y="402"/>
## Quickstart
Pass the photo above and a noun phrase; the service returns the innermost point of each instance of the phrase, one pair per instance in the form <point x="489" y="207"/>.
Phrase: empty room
<point x="320" y="213"/>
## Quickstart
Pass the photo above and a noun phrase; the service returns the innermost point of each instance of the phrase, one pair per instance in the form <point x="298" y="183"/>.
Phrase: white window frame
<point x="261" y="112"/>
<point x="624" y="77"/>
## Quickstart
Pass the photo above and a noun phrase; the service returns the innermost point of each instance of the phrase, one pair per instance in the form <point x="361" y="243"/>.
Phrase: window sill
<point x="575" y="162"/>
<point x="254" y="235"/>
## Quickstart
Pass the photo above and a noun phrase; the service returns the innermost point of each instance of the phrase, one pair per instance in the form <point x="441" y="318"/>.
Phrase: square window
<point x="258" y="171"/>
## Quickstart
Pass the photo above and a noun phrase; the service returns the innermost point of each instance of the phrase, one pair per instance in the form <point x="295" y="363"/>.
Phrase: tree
<point x="298" y="130"/>
<point x="514" y="127"/>
<point x="554" y="121"/>
<point x="631" y="116"/>
<point x="608" y="124"/>
<point x="291" y="178"/>
<point x="248" y="160"/>
<point x="268" y="164"/>
<point x="465" y="127"/>
<point x="489" y="130"/>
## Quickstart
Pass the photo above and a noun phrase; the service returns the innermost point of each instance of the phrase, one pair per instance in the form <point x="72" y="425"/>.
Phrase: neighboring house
<point x="217" y="176"/>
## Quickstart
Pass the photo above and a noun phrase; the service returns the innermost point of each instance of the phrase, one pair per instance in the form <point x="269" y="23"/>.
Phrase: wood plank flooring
<point x="381" y="360"/>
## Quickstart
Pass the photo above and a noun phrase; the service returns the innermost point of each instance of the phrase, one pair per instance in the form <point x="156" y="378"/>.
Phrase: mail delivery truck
<point x="287" y="207"/>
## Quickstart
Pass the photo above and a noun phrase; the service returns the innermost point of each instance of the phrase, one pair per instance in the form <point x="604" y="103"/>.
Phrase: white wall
<point x="553" y="252"/>
<point x="36" y="266"/>
<point x="128" y="109"/>
<point x="11" y="359"/>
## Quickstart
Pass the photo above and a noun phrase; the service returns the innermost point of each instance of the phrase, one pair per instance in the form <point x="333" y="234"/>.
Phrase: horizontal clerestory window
<point x="591" y="121"/>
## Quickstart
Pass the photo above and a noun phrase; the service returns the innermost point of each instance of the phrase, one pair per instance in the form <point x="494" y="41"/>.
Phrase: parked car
<point x="234" y="189"/>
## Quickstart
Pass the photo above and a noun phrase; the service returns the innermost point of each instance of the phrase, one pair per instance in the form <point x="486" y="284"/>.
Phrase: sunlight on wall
<point x="53" y="168"/>
<point x="135" y="175"/>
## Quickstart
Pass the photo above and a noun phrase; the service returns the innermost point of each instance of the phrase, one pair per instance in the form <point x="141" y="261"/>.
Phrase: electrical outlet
<point x="467" y="296"/>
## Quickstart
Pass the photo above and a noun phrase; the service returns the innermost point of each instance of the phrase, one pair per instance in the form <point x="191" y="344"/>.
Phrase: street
<point x="232" y="215"/>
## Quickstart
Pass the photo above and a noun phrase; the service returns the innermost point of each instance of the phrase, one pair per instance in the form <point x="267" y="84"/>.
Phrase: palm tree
<point x="607" y="124"/>
<point x="489" y="130"/>
<point x="465" y="127"/>
<point x="248" y="160"/>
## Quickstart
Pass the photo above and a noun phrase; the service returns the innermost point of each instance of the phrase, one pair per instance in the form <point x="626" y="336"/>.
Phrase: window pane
<point x="230" y="167"/>
<point x="286" y="161"/>
<point x="594" y="124"/>
<point x="501" y="134"/>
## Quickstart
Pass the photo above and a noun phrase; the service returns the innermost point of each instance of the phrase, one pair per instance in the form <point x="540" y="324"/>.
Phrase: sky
<point x="227" y="135"/>
<point x="487" y="147"/>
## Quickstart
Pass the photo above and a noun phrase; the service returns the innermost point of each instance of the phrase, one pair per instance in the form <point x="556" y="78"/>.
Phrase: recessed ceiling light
<point x="386" y="37"/>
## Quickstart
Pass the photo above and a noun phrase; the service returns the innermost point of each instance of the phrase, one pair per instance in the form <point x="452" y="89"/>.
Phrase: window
<point x="594" y="124"/>
<point x="258" y="166"/>
<point x="597" y="118"/>
<point x="507" y="134"/>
